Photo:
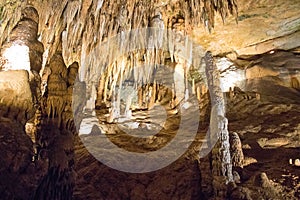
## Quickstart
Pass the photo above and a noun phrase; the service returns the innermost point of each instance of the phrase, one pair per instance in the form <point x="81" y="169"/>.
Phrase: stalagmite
<point x="221" y="160"/>
<point x="236" y="150"/>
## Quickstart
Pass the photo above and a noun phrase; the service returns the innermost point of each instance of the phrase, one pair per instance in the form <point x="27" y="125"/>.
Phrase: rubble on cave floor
<point x="269" y="132"/>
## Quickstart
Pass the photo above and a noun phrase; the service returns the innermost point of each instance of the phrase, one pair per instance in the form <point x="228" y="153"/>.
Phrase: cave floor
<point x="270" y="133"/>
<point x="269" y="129"/>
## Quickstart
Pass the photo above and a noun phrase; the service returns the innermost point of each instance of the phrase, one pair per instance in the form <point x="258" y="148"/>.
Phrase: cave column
<point x="221" y="160"/>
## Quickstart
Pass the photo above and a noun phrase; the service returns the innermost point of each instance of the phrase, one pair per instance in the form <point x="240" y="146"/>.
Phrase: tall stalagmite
<point x="221" y="160"/>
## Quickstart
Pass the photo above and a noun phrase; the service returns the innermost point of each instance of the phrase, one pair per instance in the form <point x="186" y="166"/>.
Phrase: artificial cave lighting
<point x="230" y="75"/>
<point x="17" y="57"/>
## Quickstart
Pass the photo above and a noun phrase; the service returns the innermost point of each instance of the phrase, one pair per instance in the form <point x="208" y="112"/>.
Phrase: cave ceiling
<point x="254" y="27"/>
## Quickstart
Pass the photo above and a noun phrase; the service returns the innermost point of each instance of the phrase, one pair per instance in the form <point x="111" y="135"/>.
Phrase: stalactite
<point x="179" y="79"/>
<point x="144" y="92"/>
<point x="128" y="112"/>
<point x="160" y="94"/>
<point x="114" y="111"/>
<point x="100" y="90"/>
<point x="193" y="87"/>
<point x="221" y="160"/>
<point x="56" y="105"/>
<point x="121" y="66"/>
<point x="56" y="88"/>
<point x="140" y="97"/>
<point x="114" y="78"/>
<point x="90" y="104"/>
<point x="105" y="88"/>
<point x="186" y="82"/>
<point x="171" y="45"/>
<point x="198" y="93"/>
<point x="82" y="30"/>
<point x="152" y="95"/>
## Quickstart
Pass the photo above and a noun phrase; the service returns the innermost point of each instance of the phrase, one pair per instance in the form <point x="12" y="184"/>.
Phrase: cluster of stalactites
<point x="142" y="79"/>
<point x="10" y="15"/>
<point x="134" y="56"/>
<point x="81" y="25"/>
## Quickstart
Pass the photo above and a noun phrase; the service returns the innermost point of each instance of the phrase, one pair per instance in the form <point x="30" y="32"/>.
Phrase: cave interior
<point x="138" y="99"/>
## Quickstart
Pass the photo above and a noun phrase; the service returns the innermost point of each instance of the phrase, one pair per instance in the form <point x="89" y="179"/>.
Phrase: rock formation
<point x="221" y="159"/>
<point x="236" y="151"/>
<point x="135" y="67"/>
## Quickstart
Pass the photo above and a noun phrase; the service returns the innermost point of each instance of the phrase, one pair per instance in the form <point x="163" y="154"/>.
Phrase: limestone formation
<point x="57" y="88"/>
<point x="40" y="94"/>
<point x="44" y="80"/>
<point x="67" y="116"/>
<point x="16" y="97"/>
<point x="221" y="160"/>
<point x="23" y="50"/>
<point x="236" y="151"/>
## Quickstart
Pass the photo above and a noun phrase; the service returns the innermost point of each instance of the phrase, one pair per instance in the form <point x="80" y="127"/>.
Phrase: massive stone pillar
<point x="22" y="168"/>
<point x="221" y="160"/>
<point x="22" y="50"/>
